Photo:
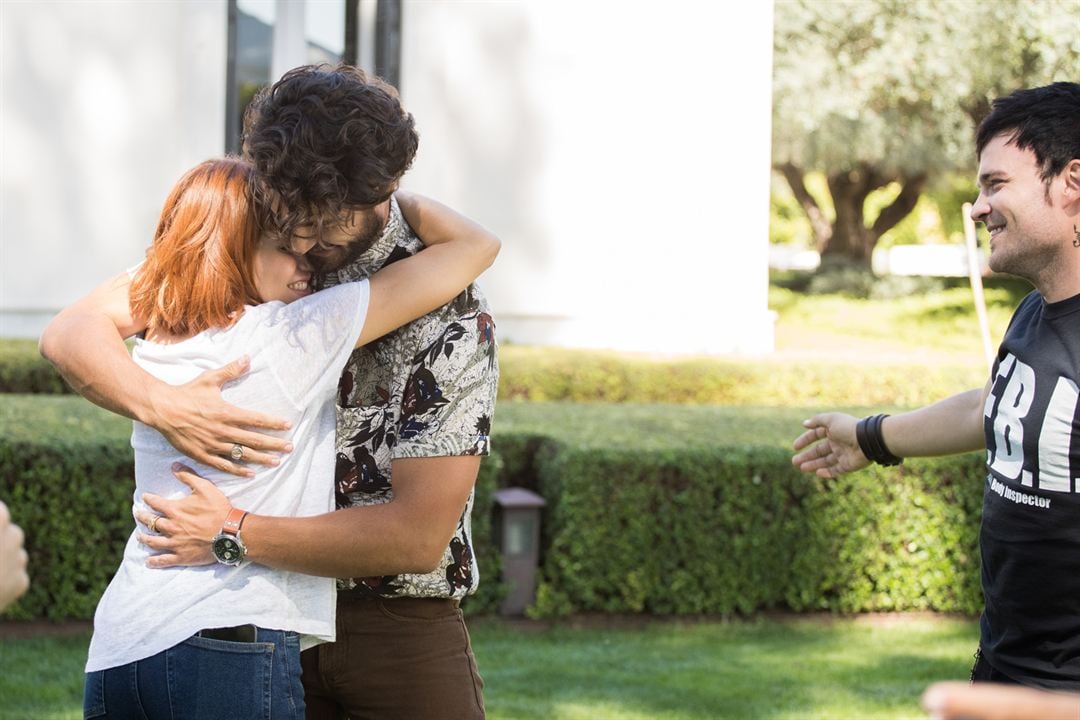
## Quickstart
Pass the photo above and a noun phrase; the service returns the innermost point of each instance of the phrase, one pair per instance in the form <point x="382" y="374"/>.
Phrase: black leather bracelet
<point x="861" y="437"/>
<point x="872" y="443"/>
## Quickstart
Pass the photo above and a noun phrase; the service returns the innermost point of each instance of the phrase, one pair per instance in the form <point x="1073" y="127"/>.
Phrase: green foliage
<point x="651" y="509"/>
<point x="587" y="377"/>
<point x="23" y="370"/>
<point x="881" y="95"/>
<point x="737" y="530"/>
<point x="896" y="85"/>
<point x="787" y="222"/>
<point x="65" y="472"/>
<point x="885" y="331"/>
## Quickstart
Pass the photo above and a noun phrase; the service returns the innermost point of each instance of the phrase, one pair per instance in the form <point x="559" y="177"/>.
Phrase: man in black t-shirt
<point x="1026" y="417"/>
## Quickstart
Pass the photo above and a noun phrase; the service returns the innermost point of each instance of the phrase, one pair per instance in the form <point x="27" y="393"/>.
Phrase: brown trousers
<point x="406" y="658"/>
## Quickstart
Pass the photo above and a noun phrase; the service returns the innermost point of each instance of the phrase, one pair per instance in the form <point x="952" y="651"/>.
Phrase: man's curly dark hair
<point x="324" y="140"/>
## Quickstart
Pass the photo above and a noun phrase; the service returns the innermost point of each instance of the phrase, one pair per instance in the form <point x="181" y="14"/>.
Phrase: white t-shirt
<point x="297" y="352"/>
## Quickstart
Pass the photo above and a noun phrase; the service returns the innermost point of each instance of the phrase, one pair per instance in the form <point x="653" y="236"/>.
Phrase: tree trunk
<point x="847" y="238"/>
<point x="851" y="240"/>
<point x="819" y="224"/>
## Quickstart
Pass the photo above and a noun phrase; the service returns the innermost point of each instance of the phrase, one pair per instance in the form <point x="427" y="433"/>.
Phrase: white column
<point x="290" y="48"/>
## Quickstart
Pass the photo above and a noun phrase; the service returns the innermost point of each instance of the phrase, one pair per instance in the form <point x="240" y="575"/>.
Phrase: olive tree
<point x="875" y="92"/>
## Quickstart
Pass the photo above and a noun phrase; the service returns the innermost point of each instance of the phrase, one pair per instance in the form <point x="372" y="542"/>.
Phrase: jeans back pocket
<point x="94" y="695"/>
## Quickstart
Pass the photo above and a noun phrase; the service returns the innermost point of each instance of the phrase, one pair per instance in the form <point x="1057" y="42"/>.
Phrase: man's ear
<point x="1071" y="189"/>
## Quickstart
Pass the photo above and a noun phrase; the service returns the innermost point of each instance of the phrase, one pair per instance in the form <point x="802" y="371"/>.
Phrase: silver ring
<point x="237" y="452"/>
<point x="152" y="525"/>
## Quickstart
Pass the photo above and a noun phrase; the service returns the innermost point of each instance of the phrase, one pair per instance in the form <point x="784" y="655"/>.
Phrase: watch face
<point x="227" y="549"/>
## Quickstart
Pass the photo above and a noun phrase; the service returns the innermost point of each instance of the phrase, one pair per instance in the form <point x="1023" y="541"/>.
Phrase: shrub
<point x="738" y="530"/>
<point x="23" y="370"/>
<point x="599" y="377"/>
<point x="550" y="374"/>
<point x="651" y="509"/>
<point x="65" y="474"/>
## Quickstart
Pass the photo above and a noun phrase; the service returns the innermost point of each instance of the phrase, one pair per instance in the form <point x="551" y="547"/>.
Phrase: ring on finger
<point x="237" y="452"/>
<point x="152" y="525"/>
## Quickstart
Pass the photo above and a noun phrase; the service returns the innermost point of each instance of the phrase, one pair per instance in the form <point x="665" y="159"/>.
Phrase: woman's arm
<point x="458" y="250"/>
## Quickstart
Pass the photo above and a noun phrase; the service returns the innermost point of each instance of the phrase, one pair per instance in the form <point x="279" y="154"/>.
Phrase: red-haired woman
<point x="224" y="641"/>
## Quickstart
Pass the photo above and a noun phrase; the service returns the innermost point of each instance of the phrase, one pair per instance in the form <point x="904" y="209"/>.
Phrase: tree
<point x="875" y="92"/>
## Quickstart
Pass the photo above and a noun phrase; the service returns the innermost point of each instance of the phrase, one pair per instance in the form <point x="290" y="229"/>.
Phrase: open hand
<point x="202" y="426"/>
<point x="829" y="447"/>
<point x="184" y="528"/>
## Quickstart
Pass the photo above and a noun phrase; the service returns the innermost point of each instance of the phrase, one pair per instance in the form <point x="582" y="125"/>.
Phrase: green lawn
<point x="801" y="668"/>
<point x="642" y="426"/>
<point x="938" y="328"/>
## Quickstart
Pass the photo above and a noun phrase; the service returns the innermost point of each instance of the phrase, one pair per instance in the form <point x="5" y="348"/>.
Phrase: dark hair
<point x="323" y="140"/>
<point x="1045" y="120"/>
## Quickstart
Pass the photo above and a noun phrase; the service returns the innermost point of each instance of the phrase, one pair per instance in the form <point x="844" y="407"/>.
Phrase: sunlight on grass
<point x="942" y="323"/>
<point x="792" y="668"/>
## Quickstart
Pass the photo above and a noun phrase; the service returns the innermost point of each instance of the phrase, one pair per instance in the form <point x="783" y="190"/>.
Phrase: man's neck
<point x="1062" y="280"/>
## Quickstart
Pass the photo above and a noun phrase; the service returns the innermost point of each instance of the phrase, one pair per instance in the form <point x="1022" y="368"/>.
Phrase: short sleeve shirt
<point x="425" y="390"/>
<point x="1030" y="533"/>
<point x="297" y="351"/>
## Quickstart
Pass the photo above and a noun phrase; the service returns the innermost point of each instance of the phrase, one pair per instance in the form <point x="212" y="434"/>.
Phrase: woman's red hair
<point x="197" y="274"/>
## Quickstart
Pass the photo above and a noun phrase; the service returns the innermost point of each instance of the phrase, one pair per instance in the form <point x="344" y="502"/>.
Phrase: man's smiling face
<point x="1015" y="206"/>
<point x="340" y="243"/>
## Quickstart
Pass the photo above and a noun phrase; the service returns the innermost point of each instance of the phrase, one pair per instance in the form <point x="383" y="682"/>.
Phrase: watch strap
<point x="233" y="521"/>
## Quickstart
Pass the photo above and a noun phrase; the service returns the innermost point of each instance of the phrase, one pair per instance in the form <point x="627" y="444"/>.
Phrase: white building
<point x="619" y="149"/>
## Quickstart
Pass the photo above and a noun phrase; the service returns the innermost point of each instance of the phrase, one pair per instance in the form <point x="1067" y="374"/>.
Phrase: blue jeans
<point x="204" y="679"/>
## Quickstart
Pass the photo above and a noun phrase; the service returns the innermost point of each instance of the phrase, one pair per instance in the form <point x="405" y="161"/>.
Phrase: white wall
<point x="104" y="104"/>
<point x="621" y="151"/>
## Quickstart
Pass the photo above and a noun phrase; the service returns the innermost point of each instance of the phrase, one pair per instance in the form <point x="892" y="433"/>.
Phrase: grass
<point x="939" y="328"/>
<point x="801" y="668"/>
<point x="41" y="678"/>
<point x="586" y="425"/>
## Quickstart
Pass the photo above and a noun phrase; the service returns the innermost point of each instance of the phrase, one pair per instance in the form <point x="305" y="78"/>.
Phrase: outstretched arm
<point x="85" y="342"/>
<point x="829" y="447"/>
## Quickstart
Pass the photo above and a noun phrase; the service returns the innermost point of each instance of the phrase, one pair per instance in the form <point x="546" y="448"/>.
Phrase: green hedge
<point x="738" y="530"/>
<point x="23" y="370"/>
<point x="65" y="474"/>
<point x="550" y="374"/>
<point x="651" y="509"/>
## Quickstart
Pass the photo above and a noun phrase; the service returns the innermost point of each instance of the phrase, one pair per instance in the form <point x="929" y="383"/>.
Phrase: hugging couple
<point x="312" y="390"/>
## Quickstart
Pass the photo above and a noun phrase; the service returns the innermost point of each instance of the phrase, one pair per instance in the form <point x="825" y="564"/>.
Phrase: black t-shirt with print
<point x="1030" y="536"/>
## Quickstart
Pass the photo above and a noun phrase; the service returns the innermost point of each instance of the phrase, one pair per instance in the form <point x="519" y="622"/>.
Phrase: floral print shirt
<point x="424" y="390"/>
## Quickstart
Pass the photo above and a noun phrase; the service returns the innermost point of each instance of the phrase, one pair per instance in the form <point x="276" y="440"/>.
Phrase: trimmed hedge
<point x="551" y="374"/>
<point x="738" y="530"/>
<point x="651" y="509"/>
<point x="23" y="370"/>
<point x="65" y="474"/>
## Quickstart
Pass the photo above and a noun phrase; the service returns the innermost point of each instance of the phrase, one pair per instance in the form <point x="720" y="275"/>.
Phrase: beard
<point x="366" y="232"/>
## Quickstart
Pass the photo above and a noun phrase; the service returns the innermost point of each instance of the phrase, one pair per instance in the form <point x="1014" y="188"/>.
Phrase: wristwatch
<point x="227" y="546"/>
